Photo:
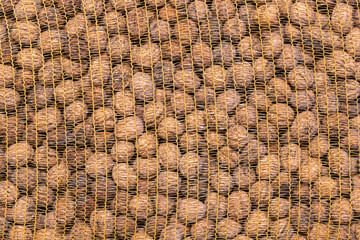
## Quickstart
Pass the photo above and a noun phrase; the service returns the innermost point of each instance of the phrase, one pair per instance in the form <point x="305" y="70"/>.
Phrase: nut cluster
<point x="179" y="119"/>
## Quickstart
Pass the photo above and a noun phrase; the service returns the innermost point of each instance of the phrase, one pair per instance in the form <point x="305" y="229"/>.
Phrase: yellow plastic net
<point x="179" y="119"/>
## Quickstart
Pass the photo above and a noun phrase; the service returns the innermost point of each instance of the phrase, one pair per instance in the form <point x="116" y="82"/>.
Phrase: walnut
<point x="102" y="222"/>
<point x="168" y="182"/>
<point x="19" y="154"/>
<point x="119" y="47"/>
<point x="224" y="54"/>
<point x="169" y="13"/>
<point x="43" y="195"/>
<point x="300" y="217"/>
<point x="256" y="223"/>
<point x="76" y="26"/>
<point x="260" y="193"/>
<point x="25" y="32"/>
<point x="124" y="176"/>
<point x="301" y="77"/>
<point x="125" y="226"/>
<point x="147" y="55"/>
<point x="52" y="41"/>
<point x="129" y="128"/>
<point x="186" y="31"/>
<point x="24" y="178"/>
<point x="234" y="29"/>
<point x="249" y="48"/>
<point x="18" y="232"/>
<point x="170" y="128"/>
<point x="25" y="9"/>
<point x="304" y="126"/>
<point x="342" y="18"/>
<point x="341" y="163"/>
<point x="81" y="229"/>
<point x="47" y="234"/>
<point x="223" y="10"/>
<point x="115" y="22"/>
<point x="301" y="14"/>
<point x="8" y="192"/>
<point x="303" y="99"/>
<point x="141" y="206"/>
<point x="210" y="31"/>
<point x="309" y="170"/>
<point x="281" y="115"/>
<point x="98" y="164"/>
<point x="267" y="15"/>
<point x="201" y="55"/>
<point x="190" y="210"/>
<point x="341" y="211"/>
<point x="30" y="58"/>
<point x="92" y="9"/>
<point x="244" y="177"/>
<point x="239" y="201"/>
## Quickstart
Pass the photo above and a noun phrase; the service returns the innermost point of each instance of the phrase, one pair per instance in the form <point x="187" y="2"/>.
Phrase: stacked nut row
<point x="179" y="119"/>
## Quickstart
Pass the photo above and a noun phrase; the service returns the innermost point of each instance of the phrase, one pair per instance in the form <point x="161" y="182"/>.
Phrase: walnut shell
<point x="98" y="164"/>
<point x="342" y="18"/>
<point x="129" y="128"/>
<point x="301" y="14"/>
<point x="234" y="29"/>
<point x="190" y="210"/>
<point x="249" y="48"/>
<point x="326" y="187"/>
<point x="25" y="32"/>
<point x="168" y="182"/>
<point x="281" y="115"/>
<point x="47" y="119"/>
<point x="124" y="176"/>
<point x="18" y="232"/>
<point x="303" y="99"/>
<point x="160" y="31"/>
<point x="9" y="192"/>
<point x="256" y="223"/>
<point x="224" y="54"/>
<point x="102" y="222"/>
<point x="43" y="195"/>
<point x="25" y="9"/>
<point x="186" y="31"/>
<point x="268" y="167"/>
<point x="47" y="234"/>
<point x="76" y="26"/>
<point x="138" y="21"/>
<point x="52" y="41"/>
<point x="204" y="229"/>
<point x="341" y="163"/>
<point x="81" y="229"/>
<point x="170" y="128"/>
<point x="223" y="10"/>
<point x="289" y="57"/>
<point x="240" y="202"/>
<point x="24" y="178"/>
<point x="147" y="55"/>
<point x="125" y="226"/>
<point x="301" y="77"/>
<point x="304" y="126"/>
<point x="341" y="211"/>
<point x="242" y="80"/>
<point x="141" y="207"/>
<point x="92" y="9"/>
<point x="19" y="154"/>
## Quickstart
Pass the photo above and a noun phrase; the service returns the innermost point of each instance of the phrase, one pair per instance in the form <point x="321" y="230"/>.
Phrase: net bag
<point x="179" y="119"/>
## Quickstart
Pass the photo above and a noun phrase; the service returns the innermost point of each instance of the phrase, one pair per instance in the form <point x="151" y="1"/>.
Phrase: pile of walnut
<point x="179" y="119"/>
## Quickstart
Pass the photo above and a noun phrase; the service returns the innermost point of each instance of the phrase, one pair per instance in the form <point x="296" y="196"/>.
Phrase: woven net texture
<point x="179" y="119"/>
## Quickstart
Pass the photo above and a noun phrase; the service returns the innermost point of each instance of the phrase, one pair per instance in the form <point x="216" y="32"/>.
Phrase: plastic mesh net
<point x="179" y="119"/>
